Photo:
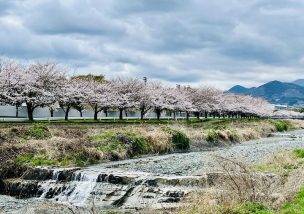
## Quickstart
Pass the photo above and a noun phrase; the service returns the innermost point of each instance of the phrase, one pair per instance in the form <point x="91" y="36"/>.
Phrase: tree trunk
<point x="106" y="112"/>
<point x="66" y="115"/>
<point x="17" y="111"/>
<point x="142" y="114"/>
<point x="52" y="112"/>
<point x="197" y="115"/>
<point x="120" y="113"/>
<point x="80" y="111"/>
<point x="187" y="115"/>
<point x="30" y="111"/>
<point x="95" y="113"/>
<point x="206" y="115"/>
<point x="174" y="115"/>
<point x="158" y="112"/>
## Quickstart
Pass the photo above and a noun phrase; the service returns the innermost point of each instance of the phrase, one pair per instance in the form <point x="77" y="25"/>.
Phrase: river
<point x="156" y="182"/>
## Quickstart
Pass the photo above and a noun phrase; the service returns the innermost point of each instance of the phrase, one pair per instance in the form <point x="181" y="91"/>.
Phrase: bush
<point x="299" y="153"/>
<point x="37" y="132"/>
<point x="118" y="144"/>
<point x="281" y="126"/>
<point x="213" y="137"/>
<point x="234" y="136"/>
<point x="179" y="140"/>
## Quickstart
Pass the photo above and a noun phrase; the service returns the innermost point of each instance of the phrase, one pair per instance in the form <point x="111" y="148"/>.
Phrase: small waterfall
<point x="56" y="173"/>
<point x="80" y="189"/>
<point x="45" y="187"/>
<point x="75" y="192"/>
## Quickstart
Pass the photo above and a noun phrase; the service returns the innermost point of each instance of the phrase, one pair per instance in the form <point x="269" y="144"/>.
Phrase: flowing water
<point x="146" y="183"/>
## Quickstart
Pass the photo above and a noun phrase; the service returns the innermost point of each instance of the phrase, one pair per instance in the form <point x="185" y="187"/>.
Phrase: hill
<point x="299" y="82"/>
<point x="276" y="92"/>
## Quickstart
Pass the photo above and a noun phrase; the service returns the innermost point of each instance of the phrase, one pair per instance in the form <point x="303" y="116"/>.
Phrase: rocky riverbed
<point x="147" y="183"/>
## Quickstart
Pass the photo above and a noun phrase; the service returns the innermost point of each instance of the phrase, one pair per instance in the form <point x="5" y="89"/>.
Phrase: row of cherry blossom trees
<point x="47" y="85"/>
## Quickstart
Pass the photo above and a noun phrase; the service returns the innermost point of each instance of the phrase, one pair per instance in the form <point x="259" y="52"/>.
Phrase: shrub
<point x="213" y="137"/>
<point x="37" y="132"/>
<point x="234" y="136"/>
<point x="281" y="126"/>
<point x="178" y="139"/>
<point x="120" y="144"/>
<point x="299" y="153"/>
<point x="79" y="159"/>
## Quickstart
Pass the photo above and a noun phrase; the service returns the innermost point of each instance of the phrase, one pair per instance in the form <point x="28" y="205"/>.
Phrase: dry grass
<point x="73" y="144"/>
<point x="240" y="189"/>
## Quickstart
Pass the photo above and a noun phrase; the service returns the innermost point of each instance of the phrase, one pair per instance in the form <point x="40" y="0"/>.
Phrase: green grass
<point x="213" y="137"/>
<point x="70" y="159"/>
<point x="115" y="143"/>
<point x="299" y="153"/>
<point x="281" y="125"/>
<point x="31" y="159"/>
<point x="179" y="139"/>
<point x="296" y="206"/>
<point x="254" y="208"/>
<point x="37" y="132"/>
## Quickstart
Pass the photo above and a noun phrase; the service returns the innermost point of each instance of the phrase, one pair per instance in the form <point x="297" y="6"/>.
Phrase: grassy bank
<point x="283" y="193"/>
<point x="77" y="144"/>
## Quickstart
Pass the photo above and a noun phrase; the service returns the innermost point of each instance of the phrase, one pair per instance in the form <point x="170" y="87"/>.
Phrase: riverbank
<point x="159" y="182"/>
<point x="39" y="144"/>
<point x="274" y="185"/>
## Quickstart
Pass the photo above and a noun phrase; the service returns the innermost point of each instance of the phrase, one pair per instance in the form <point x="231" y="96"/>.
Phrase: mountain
<point x="278" y="93"/>
<point x="299" y="82"/>
<point x="238" y="89"/>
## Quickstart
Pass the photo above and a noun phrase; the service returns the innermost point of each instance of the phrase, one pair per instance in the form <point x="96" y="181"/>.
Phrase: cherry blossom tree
<point x="125" y="94"/>
<point x="34" y="85"/>
<point x="161" y="98"/>
<point x="11" y="75"/>
<point x="99" y="95"/>
<point x="45" y="85"/>
<point x="71" y="94"/>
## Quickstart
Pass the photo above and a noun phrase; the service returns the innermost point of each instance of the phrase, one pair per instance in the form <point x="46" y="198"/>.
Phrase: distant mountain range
<point x="276" y="92"/>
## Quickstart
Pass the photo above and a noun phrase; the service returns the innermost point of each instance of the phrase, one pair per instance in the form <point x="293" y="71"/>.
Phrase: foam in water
<point x="77" y="191"/>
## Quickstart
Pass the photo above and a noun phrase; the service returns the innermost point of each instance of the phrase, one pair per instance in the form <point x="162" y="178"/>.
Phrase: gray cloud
<point x="219" y="43"/>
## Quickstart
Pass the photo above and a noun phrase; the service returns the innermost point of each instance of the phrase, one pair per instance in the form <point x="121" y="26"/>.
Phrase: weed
<point x="213" y="137"/>
<point x="299" y="153"/>
<point x="296" y="206"/>
<point x="234" y="136"/>
<point x="37" y="132"/>
<point x="178" y="138"/>
<point x="118" y="144"/>
<point x="254" y="208"/>
<point x="31" y="159"/>
<point x="281" y="125"/>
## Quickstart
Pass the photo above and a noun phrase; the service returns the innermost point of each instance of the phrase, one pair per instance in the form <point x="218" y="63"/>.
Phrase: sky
<point x="217" y="43"/>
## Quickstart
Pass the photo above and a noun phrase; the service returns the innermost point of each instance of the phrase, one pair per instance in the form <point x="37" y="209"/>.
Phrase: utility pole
<point x="145" y="80"/>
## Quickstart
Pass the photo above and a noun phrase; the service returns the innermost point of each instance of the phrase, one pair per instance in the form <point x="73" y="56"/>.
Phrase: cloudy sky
<point x="219" y="43"/>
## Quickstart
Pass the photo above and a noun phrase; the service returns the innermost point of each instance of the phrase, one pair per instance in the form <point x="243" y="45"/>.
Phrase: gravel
<point x="195" y="163"/>
<point x="192" y="163"/>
